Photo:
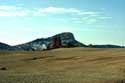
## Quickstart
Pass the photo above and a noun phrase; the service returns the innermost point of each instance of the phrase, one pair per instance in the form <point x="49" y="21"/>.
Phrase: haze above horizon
<point x="91" y="21"/>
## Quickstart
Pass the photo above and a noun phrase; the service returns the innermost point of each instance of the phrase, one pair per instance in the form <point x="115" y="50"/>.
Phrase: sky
<point x="91" y="21"/>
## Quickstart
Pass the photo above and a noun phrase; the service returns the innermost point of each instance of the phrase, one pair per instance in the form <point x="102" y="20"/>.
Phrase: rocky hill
<point x="57" y="41"/>
<point x="5" y="46"/>
<point x="66" y="39"/>
<point x="105" y="46"/>
<point x="62" y="40"/>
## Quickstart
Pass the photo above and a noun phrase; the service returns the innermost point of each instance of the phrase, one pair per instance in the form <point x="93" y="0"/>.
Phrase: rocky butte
<point x="62" y="40"/>
<point x="65" y="39"/>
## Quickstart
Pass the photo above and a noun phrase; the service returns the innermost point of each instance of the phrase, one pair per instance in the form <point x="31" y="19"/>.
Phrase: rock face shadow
<point x="56" y="43"/>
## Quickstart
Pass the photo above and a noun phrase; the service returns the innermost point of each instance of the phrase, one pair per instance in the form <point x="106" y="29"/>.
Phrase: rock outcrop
<point x="56" y="43"/>
<point x="60" y="40"/>
<point x="67" y="39"/>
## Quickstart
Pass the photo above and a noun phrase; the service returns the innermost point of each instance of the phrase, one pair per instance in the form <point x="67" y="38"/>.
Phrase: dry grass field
<point x="64" y="65"/>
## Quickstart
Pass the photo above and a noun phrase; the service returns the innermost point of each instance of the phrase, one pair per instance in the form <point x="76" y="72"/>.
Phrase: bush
<point x="3" y="68"/>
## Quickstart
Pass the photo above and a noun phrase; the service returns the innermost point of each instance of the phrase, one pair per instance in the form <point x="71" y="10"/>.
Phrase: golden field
<point x="64" y="65"/>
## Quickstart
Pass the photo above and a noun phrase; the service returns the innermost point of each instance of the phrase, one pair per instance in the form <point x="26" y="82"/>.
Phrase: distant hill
<point x="105" y="46"/>
<point x="62" y="40"/>
<point x="66" y="39"/>
<point x="57" y="41"/>
<point x="5" y="46"/>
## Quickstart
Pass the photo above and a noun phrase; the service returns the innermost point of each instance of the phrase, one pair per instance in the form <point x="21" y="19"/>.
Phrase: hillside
<point x="64" y="65"/>
<point x="65" y="39"/>
<point x="61" y="40"/>
<point x="5" y="46"/>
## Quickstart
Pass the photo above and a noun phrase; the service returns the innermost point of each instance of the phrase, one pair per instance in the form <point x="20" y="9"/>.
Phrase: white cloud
<point x="13" y="13"/>
<point x="17" y="11"/>
<point x="88" y="13"/>
<point x="79" y="16"/>
<point x="73" y="14"/>
<point x="54" y="10"/>
<point x="58" y="10"/>
<point x="86" y="21"/>
<point x="105" y="17"/>
<point x="36" y="13"/>
<point x="8" y="8"/>
<point x="92" y="20"/>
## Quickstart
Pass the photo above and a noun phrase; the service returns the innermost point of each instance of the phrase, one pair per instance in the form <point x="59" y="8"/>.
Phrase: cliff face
<point x="64" y="40"/>
<point x="57" y="41"/>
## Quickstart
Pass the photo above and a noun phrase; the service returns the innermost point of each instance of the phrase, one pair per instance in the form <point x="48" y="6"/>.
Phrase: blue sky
<point x="91" y="21"/>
